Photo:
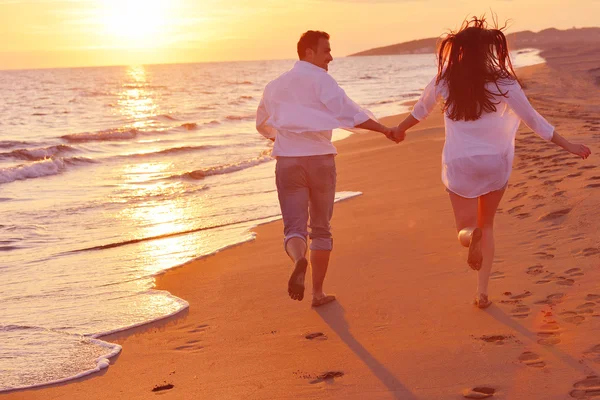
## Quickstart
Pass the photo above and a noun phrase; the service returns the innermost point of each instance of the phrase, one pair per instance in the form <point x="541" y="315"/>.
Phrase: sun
<point x="135" y="22"/>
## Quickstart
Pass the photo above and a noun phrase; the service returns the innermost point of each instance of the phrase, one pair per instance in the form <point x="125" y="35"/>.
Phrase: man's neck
<point x="310" y="62"/>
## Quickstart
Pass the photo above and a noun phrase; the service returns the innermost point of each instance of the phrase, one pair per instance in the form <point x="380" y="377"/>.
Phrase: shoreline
<point x="369" y="148"/>
<point x="104" y="361"/>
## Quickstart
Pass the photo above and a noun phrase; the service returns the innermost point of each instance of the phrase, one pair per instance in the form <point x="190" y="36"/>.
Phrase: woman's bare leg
<point x="469" y="234"/>
<point x="488" y="204"/>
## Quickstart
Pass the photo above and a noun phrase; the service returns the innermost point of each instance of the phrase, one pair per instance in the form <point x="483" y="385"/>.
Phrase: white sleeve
<point x="262" y="116"/>
<point x="519" y="103"/>
<point x="427" y="101"/>
<point x="347" y="112"/>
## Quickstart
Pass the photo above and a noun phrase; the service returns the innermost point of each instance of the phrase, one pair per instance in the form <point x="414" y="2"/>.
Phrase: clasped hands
<point x="395" y="134"/>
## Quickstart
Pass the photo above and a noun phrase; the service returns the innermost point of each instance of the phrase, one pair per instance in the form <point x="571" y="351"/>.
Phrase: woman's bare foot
<point x="296" y="282"/>
<point x="482" y="301"/>
<point x="475" y="257"/>
<point x="322" y="299"/>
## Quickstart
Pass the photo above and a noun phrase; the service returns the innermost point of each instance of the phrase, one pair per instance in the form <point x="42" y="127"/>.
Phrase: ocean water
<point x="109" y="176"/>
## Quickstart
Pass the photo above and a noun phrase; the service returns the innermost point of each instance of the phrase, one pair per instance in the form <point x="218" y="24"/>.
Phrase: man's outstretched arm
<point x="391" y="133"/>
<point x="348" y="113"/>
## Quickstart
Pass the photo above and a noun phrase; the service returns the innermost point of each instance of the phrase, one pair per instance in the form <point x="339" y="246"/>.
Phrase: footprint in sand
<point x="327" y="376"/>
<point x="497" y="275"/>
<point x="497" y="339"/>
<point x="199" y="328"/>
<point x="543" y="255"/>
<point x="518" y="196"/>
<point x="559" y="193"/>
<point x="560" y="159"/>
<point x="572" y="317"/>
<point x="480" y="392"/>
<point x="593" y="186"/>
<point x="520" y="311"/>
<point x="549" y="182"/>
<point x="552" y="299"/>
<point x="574" y="272"/>
<point x="561" y="280"/>
<point x="548" y="334"/>
<point x="545" y="279"/>
<point x="549" y="276"/>
<point x="593" y="353"/>
<point x="587" y="167"/>
<point x="537" y="197"/>
<point x="316" y="336"/>
<point x="577" y="236"/>
<point x="594" y="178"/>
<point x="535" y="270"/>
<point x="190" y="345"/>
<point x="590" y="251"/>
<point x="593" y="297"/>
<point x="548" y="338"/>
<point x="514" y="209"/>
<point x="586" y="308"/>
<point x="510" y="301"/>
<point x="574" y="175"/>
<point x="588" y="388"/>
<point x="518" y="185"/>
<point x="549" y="326"/>
<point x="523" y="215"/>
<point x="532" y="360"/>
<point x="554" y="215"/>
<point x="523" y="295"/>
<point x="164" y="386"/>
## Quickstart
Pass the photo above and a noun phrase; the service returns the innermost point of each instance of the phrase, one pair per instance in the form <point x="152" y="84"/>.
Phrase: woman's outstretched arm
<point x="578" y="149"/>
<point x="422" y="108"/>
<point x="408" y="123"/>
<point x="519" y="103"/>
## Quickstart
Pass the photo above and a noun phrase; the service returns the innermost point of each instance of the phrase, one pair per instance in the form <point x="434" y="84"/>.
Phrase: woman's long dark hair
<point x="467" y="61"/>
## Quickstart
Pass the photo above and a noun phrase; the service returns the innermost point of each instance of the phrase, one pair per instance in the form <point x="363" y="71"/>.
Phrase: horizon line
<point x="2" y="69"/>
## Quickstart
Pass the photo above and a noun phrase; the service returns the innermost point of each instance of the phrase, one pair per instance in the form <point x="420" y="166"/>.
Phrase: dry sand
<point x="404" y="326"/>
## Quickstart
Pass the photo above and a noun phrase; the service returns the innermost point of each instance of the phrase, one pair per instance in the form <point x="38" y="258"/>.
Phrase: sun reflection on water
<point x="156" y="209"/>
<point x="136" y="100"/>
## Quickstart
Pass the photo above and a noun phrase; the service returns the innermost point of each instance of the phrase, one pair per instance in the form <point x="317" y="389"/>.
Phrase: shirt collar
<point x="308" y="66"/>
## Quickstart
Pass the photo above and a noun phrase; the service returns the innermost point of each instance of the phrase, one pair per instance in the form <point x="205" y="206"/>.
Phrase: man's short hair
<point x="310" y="40"/>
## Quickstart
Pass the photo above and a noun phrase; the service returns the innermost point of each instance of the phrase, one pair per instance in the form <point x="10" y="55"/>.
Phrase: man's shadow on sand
<point x="333" y="315"/>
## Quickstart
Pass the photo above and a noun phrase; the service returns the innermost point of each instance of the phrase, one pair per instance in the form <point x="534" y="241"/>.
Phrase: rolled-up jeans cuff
<point x="293" y="235"/>
<point x="325" y="244"/>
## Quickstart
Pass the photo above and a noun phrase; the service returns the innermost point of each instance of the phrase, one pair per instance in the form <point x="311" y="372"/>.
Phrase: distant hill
<point x="543" y="40"/>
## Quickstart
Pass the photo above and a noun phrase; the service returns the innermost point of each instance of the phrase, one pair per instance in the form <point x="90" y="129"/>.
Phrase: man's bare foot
<point x="475" y="255"/>
<point x="296" y="282"/>
<point x="322" y="299"/>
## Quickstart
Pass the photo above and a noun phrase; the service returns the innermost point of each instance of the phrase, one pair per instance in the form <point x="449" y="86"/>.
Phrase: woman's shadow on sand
<point x="333" y="315"/>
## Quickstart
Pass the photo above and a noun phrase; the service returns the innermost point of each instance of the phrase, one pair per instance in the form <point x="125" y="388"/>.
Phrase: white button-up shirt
<point x="300" y="109"/>
<point x="478" y="155"/>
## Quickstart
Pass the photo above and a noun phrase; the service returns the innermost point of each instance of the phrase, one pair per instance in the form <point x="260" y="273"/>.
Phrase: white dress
<point x="478" y="155"/>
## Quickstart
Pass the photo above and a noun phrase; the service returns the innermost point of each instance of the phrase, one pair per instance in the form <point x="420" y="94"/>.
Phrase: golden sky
<point x="58" y="33"/>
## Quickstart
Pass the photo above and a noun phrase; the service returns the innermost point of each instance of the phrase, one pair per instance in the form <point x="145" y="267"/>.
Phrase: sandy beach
<point x="404" y="326"/>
